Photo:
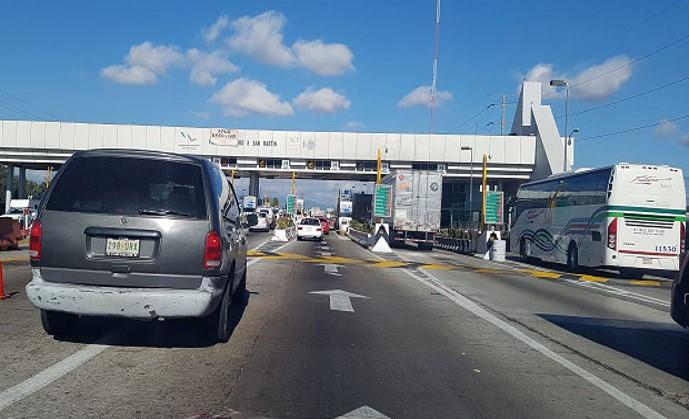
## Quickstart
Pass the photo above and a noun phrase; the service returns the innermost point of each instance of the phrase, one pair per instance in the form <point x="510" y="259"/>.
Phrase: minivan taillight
<point x="612" y="234"/>
<point x="35" y="241"/>
<point x="212" y="253"/>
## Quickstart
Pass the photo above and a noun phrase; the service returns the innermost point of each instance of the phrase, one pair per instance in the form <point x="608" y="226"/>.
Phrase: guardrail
<point x="462" y="246"/>
<point x="360" y="237"/>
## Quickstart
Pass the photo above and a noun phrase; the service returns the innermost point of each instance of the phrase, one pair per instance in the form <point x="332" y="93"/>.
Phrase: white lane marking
<point x="459" y="299"/>
<point x="364" y="412"/>
<point x="254" y="261"/>
<point x="325" y="254"/>
<point x="50" y="374"/>
<point x="619" y="292"/>
<point x="67" y="365"/>
<point x="339" y="299"/>
<point x="331" y="269"/>
<point x="342" y="237"/>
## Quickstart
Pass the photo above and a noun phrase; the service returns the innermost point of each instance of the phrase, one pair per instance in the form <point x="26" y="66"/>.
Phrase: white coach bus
<point x="630" y="217"/>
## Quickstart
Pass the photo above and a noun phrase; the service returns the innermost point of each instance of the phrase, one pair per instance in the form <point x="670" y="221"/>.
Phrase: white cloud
<point x="206" y="66"/>
<point x="243" y="96"/>
<point x="354" y="125"/>
<point x="127" y="74"/>
<point x="421" y="96"/>
<point x="666" y="129"/>
<point x="322" y="100"/>
<point x="324" y="59"/>
<point x="211" y="33"/>
<point x="261" y="37"/>
<point x="600" y="86"/>
<point x="144" y="63"/>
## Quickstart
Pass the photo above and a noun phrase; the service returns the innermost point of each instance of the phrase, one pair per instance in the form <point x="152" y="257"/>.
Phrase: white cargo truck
<point x="416" y="204"/>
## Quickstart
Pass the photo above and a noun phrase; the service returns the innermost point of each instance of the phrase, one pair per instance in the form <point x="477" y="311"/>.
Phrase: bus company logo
<point x="648" y="180"/>
<point x="434" y="186"/>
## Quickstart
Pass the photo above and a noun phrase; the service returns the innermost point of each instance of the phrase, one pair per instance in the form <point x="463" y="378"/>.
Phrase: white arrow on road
<point x="364" y="412"/>
<point x="339" y="299"/>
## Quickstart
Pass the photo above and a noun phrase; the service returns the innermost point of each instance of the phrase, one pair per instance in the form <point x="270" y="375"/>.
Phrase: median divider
<point x="360" y="237"/>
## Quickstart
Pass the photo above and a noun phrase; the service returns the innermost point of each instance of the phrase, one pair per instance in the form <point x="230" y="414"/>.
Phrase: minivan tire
<point x="239" y="296"/>
<point x="218" y="322"/>
<point x="58" y="323"/>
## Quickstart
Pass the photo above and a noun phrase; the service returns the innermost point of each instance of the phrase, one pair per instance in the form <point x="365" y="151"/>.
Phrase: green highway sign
<point x="291" y="204"/>
<point x="382" y="201"/>
<point x="495" y="202"/>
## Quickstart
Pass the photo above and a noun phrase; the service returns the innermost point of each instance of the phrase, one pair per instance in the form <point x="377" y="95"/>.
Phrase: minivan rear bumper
<point x="136" y="303"/>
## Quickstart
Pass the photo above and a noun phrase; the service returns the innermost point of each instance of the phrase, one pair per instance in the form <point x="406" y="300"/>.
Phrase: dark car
<point x="679" y="309"/>
<point x="135" y="234"/>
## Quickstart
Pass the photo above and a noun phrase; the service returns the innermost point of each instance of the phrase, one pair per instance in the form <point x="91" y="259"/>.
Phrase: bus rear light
<point x="682" y="237"/>
<point x="612" y="234"/>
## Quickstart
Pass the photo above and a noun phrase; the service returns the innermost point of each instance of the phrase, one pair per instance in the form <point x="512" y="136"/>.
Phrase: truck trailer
<point x="415" y="206"/>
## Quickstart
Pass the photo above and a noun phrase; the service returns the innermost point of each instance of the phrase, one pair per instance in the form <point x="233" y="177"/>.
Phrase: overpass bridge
<point x="533" y="150"/>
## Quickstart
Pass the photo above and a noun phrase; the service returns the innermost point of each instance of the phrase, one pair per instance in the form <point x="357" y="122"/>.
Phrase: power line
<point x="20" y="111"/>
<point x="476" y="115"/>
<point x="624" y="131"/>
<point x="631" y="63"/>
<point x="627" y="98"/>
<point x="29" y="104"/>
<point x="630" y="29"/>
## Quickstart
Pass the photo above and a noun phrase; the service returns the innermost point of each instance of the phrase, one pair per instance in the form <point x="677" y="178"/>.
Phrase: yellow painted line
<point x="15" y="260"/>
<point x="593" y="278"/>
<point x="254" y="253"/>
<point x="437" y="267"/>
<point x="487" y="270"/>
<point x="645" y="282"/>
<point x="542" y="274"/>
<point x="332" y="259"/>
<point x="388" y="264"/>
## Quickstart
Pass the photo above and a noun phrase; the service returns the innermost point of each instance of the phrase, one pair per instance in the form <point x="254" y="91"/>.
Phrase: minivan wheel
<point x="239" y="295"/>
<point x="218" y="324"/>
<point x="58" y="323"/>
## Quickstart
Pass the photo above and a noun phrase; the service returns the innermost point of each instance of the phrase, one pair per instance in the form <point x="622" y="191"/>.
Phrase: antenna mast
<point x="435" y="64"/>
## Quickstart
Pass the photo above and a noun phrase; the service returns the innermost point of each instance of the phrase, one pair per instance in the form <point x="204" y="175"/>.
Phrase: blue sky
<point x="147" y="62"/>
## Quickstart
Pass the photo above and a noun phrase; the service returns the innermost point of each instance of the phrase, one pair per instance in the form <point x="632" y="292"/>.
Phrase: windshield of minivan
<point x="129" y="186"/>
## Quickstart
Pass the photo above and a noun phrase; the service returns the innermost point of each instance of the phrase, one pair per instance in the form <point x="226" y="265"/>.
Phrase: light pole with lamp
<point x="565" y="84"/>
<point x="569" y="138"/>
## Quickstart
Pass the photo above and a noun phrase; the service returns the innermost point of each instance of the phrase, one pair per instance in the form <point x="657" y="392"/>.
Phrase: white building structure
<point x="533" y="150"/>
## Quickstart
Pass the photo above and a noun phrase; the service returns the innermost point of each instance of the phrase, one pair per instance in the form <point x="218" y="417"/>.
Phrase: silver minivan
<point x="136" y="234"/>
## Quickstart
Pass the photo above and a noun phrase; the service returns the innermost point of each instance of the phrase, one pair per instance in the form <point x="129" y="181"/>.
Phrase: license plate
<point x="122" y="247"/>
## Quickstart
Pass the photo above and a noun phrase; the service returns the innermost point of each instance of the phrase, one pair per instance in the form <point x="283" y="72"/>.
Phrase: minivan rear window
<point x="129" y="186"/>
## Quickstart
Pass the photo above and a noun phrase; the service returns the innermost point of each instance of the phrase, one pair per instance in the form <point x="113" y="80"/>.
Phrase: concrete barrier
<point x="360" y="237"/>
<point x="284" y="235"/>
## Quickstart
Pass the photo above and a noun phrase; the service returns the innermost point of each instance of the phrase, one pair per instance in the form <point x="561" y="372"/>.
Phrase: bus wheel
<point x="572" y="257"/>
<point x="522" y="249"/>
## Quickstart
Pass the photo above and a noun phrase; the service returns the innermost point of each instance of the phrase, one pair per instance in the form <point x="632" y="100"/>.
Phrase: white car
<point x="263" y="223"/>
<point x="309" y="228"/>
<point x="272" y="219"/>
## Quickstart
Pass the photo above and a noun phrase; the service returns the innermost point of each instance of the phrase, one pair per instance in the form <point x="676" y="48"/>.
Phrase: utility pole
<point x="483" y="190"/>
<point x="294" y="184"/>
<point x="379" y="167"/>
<point x="503" y="105"/>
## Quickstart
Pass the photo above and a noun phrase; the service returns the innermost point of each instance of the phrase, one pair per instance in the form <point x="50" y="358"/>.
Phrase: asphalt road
<point x="426" y="334"/>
